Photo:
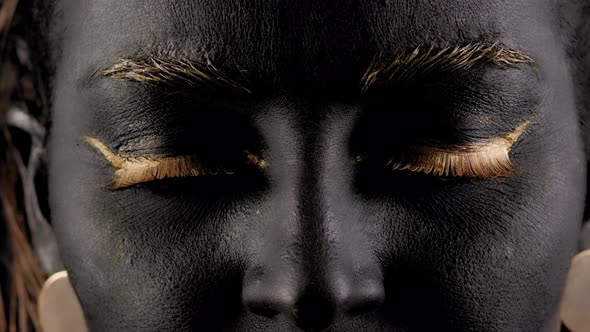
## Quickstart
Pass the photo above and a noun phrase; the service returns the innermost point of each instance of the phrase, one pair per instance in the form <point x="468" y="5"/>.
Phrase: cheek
<point x="139" y="258"/>
<point x="148" y="259"/>
<point x="491" y="253"/>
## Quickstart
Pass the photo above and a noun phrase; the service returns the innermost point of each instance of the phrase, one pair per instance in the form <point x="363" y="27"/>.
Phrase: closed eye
<point x="132" y="170"/>
<point x="486" y="159"/>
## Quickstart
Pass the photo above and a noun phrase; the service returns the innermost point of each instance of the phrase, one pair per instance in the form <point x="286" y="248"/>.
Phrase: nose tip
<point x="314" y="311"/>
<point x="314" y="307"/>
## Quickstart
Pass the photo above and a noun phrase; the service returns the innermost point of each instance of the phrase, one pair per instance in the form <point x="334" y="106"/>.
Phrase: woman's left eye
<point x="486" y="159"/>
<point x="485" y="162"/>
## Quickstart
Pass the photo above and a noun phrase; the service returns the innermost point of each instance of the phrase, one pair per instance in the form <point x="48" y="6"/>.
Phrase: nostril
<point x="315" y="306"/>
<point x="262" y="308"/>
<point x="312" y="308"/>
<point x="264" y="301"/>
<point x="265" y="296"/>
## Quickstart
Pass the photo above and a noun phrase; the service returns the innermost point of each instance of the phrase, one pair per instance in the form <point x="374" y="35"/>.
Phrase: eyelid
<point x="485" y="160"/>
<point x="132" y="170"/>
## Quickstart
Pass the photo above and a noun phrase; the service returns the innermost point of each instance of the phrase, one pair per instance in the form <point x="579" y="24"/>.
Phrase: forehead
<point x="303" y="39"/>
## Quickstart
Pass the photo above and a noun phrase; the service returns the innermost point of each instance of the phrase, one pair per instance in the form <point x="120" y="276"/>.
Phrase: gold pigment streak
<point x="132" y="170"/>
<point x="487" y="159"/>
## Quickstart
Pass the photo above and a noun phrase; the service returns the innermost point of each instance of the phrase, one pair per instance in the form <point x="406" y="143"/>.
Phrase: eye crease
<point x="133" y="170"/>
<point x="484" y="160"/>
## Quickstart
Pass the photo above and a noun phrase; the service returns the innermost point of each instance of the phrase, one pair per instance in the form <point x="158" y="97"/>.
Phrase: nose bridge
<point x="316" y="239"/>
<point x="295" y="274"/>
<point x="317" y="251"/>
<point x="322" y="262"/>
<point x="307" y="270"/>
<point x="322" y="214"/>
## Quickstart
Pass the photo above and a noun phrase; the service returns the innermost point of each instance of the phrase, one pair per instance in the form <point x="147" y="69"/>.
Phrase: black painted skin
<point x="316" y="241"/>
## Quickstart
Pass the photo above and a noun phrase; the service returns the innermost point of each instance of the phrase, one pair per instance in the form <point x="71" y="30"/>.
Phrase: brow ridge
<point x="426" y="59"/>
<point x="155" y="70"/>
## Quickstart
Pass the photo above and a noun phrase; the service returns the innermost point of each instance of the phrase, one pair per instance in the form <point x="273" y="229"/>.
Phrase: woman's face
<point x="227" y="165"/>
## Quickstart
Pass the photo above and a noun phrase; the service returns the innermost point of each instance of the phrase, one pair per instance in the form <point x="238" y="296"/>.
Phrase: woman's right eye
<point x="134" y="170"/>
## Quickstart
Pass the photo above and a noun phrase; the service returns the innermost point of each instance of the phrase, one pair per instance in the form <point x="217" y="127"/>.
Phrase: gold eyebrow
<point x="172" y="72"/>
<point x="423" y="60"/>
<point x="132" y="170"/>
<point x="487" y="159"/>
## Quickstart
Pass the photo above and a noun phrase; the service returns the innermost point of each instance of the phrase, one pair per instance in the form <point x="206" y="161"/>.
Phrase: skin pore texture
<point x="307" y="119"/>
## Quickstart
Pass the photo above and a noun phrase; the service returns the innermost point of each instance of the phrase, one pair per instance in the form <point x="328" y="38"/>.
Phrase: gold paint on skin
<point x="426" y="59"/>
<point x="255" y="160"/>
<point x="132" y="170"/>
<point x="486" y="159"/>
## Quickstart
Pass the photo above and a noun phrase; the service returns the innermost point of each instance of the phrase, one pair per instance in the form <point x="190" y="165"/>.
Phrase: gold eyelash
<point x="135" y="170"/>
<point x="488" y="159"/>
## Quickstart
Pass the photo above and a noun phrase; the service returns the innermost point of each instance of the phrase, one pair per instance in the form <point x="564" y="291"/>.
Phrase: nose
<point x="313" y="269"/>
<point x="311" y="264"/>
<point x="312" y="304"/>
